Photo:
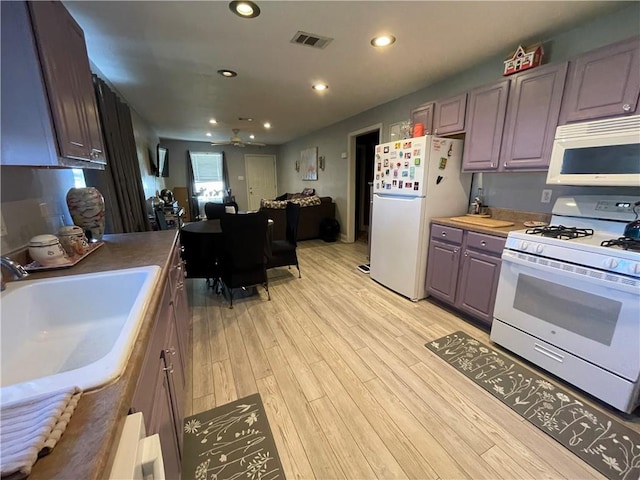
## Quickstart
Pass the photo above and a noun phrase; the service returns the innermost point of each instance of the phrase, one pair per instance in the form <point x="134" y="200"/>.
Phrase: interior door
<point x="261" y="178"/>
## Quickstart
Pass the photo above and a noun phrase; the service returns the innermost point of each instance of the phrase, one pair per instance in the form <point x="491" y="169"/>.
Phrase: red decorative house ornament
<point x="523" y="58"/>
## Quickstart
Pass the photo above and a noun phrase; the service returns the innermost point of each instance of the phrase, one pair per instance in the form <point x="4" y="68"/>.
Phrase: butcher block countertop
<point x="516" y="216"/>
<point x="88" y="445"/>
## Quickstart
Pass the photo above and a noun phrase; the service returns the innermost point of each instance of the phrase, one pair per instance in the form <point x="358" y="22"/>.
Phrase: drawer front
<point x="176" y="274"/>
<point x="448" y="234"/>
<point x="485" y="243"/>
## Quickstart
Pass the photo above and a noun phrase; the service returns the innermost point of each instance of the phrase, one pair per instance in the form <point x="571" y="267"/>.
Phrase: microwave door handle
<point x="510" y="257"/>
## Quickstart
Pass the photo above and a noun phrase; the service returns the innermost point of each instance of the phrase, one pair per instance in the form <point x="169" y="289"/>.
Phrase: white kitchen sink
<point x="75" y="330"/>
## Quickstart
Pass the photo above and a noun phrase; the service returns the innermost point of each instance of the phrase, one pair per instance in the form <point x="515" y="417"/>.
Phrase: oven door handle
<point x="531" y="261"/>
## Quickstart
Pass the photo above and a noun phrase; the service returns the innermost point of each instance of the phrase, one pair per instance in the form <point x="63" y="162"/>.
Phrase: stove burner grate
<point x="625" y="242"/>
<point x="561" y="231"/>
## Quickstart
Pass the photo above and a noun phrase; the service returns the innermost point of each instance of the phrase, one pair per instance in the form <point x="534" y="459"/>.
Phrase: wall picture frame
<point x="309" y="163"/>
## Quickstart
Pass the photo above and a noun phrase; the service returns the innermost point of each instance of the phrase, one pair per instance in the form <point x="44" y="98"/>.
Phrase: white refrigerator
<point x="415" y="180"/>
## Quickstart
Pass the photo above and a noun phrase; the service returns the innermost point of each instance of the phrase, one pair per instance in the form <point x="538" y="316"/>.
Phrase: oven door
<point x="589" y="313"/>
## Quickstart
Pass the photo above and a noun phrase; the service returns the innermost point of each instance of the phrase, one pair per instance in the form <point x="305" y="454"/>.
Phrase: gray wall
<point x="507" y="190"/>
<point x="179" y="156"/>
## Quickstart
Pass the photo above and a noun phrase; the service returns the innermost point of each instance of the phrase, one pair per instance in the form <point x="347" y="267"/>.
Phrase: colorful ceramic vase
<point x="86" y="207"/>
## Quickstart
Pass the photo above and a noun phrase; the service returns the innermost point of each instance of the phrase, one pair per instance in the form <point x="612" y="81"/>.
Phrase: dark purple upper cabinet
<point x="449" y="115"/>
<point x="486" y="112"/>
<point x="65" y="67"/>
<point x="424" y="114"/>
<point x="532" y="117"/>
<point x="603" y="83"/>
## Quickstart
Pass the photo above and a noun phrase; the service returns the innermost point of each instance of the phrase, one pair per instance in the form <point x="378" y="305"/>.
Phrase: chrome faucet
<point x="17" y="270"/>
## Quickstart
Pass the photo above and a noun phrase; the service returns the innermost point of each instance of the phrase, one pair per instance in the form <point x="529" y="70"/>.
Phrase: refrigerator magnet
<point x="412" y="172"/>
<point x="393" y="155"/>
<point x="407" y="155"/>
<point x="406" y="145"/>
<point x="397" y="145"/>
<point x="388" y="186"/>
<point x="377" y="176"/>
<point x="408" y="185"/>
<point x="406" y="164"/>
<point x="405" y="173"/>
<point x="377" y="186"/>
<point x="416" y="151"/>
<point x="400" y="153"/>
<point x="399" y="185"/>
<point x="379" y="167"/>
<point x="386" y="172"/>
<point x="395" y="174"/>
<point x="443" y="163"/>
<point x="386" y="149"/>
<point x="386" y="162"/>
<point x="416" y="161"/>
<point x="450" y="152"/>
<point x="395" y="183"/>
<point x="377" y="156"/>
<point x="416" y="185"/>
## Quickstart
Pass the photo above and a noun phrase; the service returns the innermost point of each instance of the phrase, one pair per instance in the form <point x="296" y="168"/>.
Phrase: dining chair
<point x="243" y="263"/>
<point x="161" y="220"/>
<point x="200" y="254"/>
<point x="283" y="252"/>
<point x="213" y="210"/>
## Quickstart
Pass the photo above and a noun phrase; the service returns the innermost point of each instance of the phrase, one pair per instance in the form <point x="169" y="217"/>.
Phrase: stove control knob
<point x="539" y="248"/>
<point x="611" y="263"/>
<point x="524" y="245"/>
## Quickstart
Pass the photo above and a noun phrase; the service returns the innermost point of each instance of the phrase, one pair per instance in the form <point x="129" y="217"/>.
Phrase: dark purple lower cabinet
<point x="478" y="284"/>
<point x="160" y="391"/>
<point x="464" y="273"/>
<point x="442" y="270"/>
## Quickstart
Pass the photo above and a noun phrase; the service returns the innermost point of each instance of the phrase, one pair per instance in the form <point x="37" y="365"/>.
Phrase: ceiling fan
<point x="236" y="141"/>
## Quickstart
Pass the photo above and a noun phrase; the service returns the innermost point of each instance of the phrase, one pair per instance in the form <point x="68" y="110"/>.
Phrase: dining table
<point x="203" y="243"/>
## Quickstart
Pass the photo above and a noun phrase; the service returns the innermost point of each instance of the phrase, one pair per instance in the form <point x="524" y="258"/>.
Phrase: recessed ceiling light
<point x="383" y="40"/>
<point x="245" y="9"/>
<point x="213" y="121"/>
<point x="208" y="134"/>
<point x="319" y="86"/>
<point x="267" y="125"/>
<point x="227" y="73"/>
<point x="252" y="136"/>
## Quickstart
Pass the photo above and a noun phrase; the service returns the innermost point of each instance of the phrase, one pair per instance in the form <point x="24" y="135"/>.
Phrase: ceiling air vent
<point x="311" y="40"/>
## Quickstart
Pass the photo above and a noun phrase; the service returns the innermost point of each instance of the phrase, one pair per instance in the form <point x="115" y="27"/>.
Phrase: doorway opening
<point x="358" y="190"/>
<point x="365" y="158"/>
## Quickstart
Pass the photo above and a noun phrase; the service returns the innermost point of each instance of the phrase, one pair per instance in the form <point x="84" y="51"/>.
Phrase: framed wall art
<point x="309" y="163"/>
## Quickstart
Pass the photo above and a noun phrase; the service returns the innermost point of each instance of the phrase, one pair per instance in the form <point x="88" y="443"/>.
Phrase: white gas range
<point x="569" y="298"/>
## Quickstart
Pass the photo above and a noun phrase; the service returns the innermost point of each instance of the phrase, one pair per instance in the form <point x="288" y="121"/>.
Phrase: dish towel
<point x="30" y="428"/>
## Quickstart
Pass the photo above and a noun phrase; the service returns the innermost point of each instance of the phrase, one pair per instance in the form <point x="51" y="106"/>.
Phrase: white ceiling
<point x="163" y="56"/>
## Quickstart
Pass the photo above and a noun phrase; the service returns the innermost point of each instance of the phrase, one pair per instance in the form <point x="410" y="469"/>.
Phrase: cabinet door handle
<point x="436" y="130"/>
<point x="168" y="369"/>
<point x="466" y="254"/>
<point x="483" y="243"/>
<point x="444" y="234"/>
<point x="170" y="350"/>
<point x="491" y="164"/>
<point x="77" y="144"/>
<point x="506" y="164"/>
<point x="626" y="107"/>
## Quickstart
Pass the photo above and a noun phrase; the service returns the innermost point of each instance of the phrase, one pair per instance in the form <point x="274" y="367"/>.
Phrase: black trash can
<point x="329" y="229"/>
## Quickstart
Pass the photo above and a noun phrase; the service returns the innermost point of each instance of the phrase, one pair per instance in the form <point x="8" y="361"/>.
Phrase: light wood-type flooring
<point x="348" y="386"/>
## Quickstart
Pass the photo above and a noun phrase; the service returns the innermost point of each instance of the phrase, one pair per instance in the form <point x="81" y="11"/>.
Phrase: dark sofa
<point x="310" y="218"/>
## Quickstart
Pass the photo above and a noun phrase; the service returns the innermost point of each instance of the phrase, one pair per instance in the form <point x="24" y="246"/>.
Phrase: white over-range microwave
<point x="602" y="153"/>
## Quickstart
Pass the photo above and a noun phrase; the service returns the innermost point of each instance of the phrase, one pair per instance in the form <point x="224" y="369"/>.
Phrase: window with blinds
<point x="207" y="176"/>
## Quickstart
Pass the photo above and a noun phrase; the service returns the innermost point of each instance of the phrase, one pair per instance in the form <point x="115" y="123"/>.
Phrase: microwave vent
<point x="621" y="125"/>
